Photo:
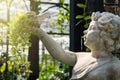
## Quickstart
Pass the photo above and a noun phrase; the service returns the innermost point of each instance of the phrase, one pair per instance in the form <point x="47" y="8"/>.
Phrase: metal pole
<point x="75" y="31"/>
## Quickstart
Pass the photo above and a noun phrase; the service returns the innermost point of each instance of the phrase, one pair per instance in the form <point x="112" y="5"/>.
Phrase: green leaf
<point x="86" y="25"/>
<point x="80" y="16"/>
<point x="81" y="5"/>
<point x="9" y="65"/>
<point x="2" y="68"/>
<point x="87" y="17"/>
<point x="61" y="1"/>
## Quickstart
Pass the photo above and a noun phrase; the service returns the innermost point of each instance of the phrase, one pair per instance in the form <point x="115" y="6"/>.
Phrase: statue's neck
<point x="100" y="53"/>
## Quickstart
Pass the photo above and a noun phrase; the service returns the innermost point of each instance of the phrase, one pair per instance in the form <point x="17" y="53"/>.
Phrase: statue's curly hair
<point x="109" y="25"/>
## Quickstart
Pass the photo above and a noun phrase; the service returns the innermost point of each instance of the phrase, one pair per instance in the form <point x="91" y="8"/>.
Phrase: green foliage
<point x="63" y="16"/>
<point x="19" y="32"/>
<point x="52" y="70"/>
<point x="14" y="66"/>
<point x="83" y="6"/>
<point x="85" y="17"/>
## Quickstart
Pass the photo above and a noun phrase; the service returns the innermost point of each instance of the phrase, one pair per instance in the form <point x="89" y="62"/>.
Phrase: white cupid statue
<point x="102" y="38"/>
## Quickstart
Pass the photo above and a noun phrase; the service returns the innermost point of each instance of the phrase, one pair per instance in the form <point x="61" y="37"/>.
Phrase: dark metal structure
<point x="95" y="5"/>
<point x="75" y="31"/>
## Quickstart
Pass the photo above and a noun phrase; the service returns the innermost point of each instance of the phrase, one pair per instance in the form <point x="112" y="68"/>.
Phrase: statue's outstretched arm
<point x="54" y="48"/>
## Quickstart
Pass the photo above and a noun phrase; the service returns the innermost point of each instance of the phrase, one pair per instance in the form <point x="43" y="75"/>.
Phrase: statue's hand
<point x="37" y="19"/>
<point x="40" y="18"/>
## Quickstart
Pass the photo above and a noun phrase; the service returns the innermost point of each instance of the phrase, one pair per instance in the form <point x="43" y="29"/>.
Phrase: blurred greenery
<point x="51" y="69"/>
<point x="85" y="17"/>
<point x="63" y="18"/>
<point x="15" y="65"/>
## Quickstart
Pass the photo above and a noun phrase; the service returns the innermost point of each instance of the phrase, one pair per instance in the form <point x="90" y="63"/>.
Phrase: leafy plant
<point x="14" y="65"/>
<point x="63" y="16"/>
<point x="51" y="69"/>
<point x="19" y="32"/>
<point x="84" y="17"/>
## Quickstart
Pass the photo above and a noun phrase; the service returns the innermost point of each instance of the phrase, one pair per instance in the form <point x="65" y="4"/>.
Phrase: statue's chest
<point x="101" y="73"/>
<point x="92" y="69"/>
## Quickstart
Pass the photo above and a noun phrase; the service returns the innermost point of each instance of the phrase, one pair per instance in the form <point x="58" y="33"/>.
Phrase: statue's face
<point x="92" y="35"/>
